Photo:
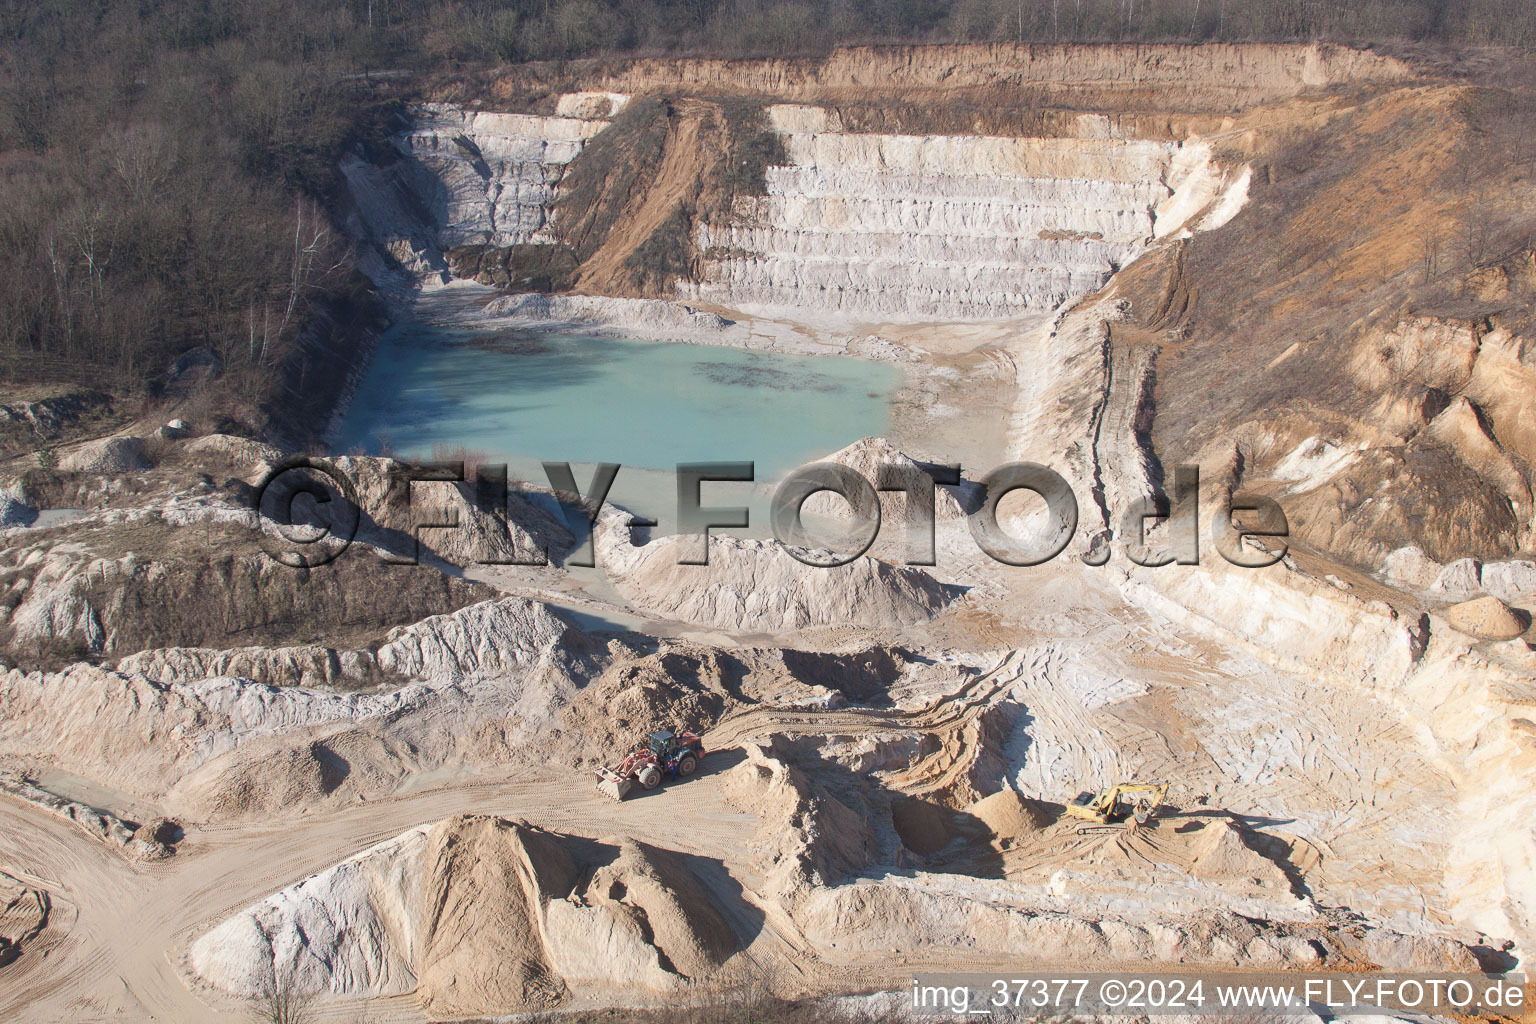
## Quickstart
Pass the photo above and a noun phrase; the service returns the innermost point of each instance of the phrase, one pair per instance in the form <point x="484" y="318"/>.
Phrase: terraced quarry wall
<point x="862" y="224"/>
<point x="952" y="184"/>
<point x="454" y="177"/>
<point x="908" y="183"/>
<point x="940" y="226"/>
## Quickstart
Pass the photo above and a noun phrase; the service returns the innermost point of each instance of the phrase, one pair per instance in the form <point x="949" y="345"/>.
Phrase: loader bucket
<point x="611" y="784"/>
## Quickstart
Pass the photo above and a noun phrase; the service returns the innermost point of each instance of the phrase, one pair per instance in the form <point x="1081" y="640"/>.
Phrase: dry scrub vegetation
<point x="213" y="587"/>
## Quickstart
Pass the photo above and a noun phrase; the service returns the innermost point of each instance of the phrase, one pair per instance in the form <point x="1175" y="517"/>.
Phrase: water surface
<point x="522" y="398"/>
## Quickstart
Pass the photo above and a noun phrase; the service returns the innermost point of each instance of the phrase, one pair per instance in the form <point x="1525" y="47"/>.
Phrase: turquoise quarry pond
<point x="522" y="398"/>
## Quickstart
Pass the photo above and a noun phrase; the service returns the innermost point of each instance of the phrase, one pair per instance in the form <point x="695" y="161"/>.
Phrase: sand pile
<point x="159" y="830"/>
<point x="645" y="918"/>
<point x="109" y="455"/>
<point x="478" y="915"/>
<point x="867" y="456"/>
<point x="682" y="913"/>
<point x="1220" y="854"/>
<point x="1487" y="618"/>
<point x="1011" y="817"/>
<point x="272" y="778"/>
<point x="674" y="688"/>
<point x="23" y="913"/>
<point x="484" y="882"/>
<point x="757" y="586"/>
<point x="807" y="838"/>
<point x="350" y="928"/>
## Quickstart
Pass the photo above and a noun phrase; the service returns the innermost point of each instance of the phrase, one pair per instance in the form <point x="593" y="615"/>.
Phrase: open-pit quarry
<point x="370" y="782"/>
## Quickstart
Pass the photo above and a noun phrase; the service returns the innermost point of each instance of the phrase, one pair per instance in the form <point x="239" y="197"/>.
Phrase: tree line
<point x="165" y="165"/>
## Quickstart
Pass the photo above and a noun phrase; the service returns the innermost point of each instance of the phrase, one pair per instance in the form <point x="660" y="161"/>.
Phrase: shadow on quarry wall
<point x="944" y="839"/>
<point x="864" y="677"/>
<point x="727" y="897"/>
<point x="1249" y="826"/>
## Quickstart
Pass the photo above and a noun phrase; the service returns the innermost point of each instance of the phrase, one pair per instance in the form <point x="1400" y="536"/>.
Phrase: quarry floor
<point x="115" y="943"/>
<point x="1110" y="690"/>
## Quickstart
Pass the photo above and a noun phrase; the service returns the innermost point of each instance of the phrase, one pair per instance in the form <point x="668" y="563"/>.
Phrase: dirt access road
<point x="118" y="930"/>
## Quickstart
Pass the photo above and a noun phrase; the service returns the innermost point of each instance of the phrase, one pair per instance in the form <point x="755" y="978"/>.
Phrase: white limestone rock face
<point x="1510" y="581"/>
<point x="591" y="105"/>
<point x="1410" y="567"/>
<point x="867" y="226"/>
<point x="55" y="607"/>
<point x="468" y="177"/>
<point x="488" y="178"/>
<point x="903" y="227"/>
<point x="1198" y="184"/>
<point x="646" y="319"/>
<point x="1461" y="579"/>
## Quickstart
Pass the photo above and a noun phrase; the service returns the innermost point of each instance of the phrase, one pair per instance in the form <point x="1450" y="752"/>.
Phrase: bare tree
<point x="88" y="228"/>
<point x="1477" y="225"/>
<point x="1429" y="250"/>
<point x="285" y="1005"/>
<point x="313" y="245"/>
<point x="143" y="157"/>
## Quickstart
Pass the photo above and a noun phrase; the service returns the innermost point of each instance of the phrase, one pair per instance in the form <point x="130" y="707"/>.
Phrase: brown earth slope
<point x="1358" y="340"/>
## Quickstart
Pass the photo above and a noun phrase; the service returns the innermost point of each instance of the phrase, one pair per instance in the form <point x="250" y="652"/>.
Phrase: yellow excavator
<point x="1128" y="804"/>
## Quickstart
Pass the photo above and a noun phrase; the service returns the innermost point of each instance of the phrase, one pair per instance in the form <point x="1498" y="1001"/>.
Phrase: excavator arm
<point x="1104" y="807"/>
<point x="1142" y="809"/>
